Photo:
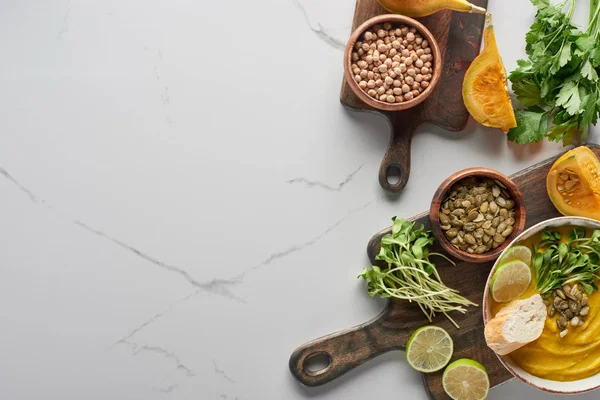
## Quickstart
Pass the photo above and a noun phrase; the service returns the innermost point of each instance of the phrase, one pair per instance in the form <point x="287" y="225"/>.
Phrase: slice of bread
<point x="518" y="323"/>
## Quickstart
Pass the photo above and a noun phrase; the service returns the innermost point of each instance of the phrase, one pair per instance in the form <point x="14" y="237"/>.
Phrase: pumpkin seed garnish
<point x="478" y="215"/>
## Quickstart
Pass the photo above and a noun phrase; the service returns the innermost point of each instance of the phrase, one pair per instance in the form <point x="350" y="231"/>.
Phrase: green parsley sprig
<point x="410" y="275"/>
<point x="559" y="263"/>
<point x="558" y="83"/>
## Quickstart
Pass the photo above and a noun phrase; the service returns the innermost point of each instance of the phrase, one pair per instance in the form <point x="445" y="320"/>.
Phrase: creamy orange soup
<point x="575" y="356"/>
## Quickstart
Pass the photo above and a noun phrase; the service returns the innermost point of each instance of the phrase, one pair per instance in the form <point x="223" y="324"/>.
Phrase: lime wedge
<point x="466" y="379"/>
<point x="510" y="281"/>
<point x="429" y="349"/>
<point x="521" y="253"/>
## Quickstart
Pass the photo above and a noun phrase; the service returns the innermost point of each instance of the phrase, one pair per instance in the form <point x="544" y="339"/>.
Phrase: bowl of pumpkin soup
<point x="563" y="256"/>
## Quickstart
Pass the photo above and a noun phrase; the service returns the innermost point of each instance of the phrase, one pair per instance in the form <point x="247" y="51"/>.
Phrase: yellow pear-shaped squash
<point x="421" y="8"/>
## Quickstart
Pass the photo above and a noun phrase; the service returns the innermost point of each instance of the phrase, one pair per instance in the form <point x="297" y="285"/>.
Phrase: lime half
<point x="520" y="253"/>
<point x="466" y="379"/>
<point x="510" y="281"/>
<point x="429" y="349"/>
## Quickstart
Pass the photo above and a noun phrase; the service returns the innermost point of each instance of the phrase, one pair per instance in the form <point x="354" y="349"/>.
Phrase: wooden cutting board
<point x="459" y="36"/>
<point x="391" y="329"/>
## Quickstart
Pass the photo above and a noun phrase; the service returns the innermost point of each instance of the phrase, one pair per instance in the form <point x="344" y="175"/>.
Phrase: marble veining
<point x="171" y="124"/>
<point x="318" y="29"/>
<point x="222" y="373"/>
<point x="322" y="185"/>
<point x="138" y="348"/>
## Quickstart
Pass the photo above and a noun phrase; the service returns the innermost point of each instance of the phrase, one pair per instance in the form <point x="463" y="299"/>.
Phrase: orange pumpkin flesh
<point x="422" y="8"/>
<point x="573" y="183"/>
<point x="485" y="91"/>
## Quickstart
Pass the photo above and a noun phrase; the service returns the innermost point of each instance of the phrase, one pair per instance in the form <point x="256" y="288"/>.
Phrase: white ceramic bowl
<point x="574" y="387"/>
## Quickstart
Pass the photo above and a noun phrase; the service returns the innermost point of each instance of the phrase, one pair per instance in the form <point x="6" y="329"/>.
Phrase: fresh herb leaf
<point x="409" y="275"/>
<point x="556" y="264"/>
<point x="531" y="126"/>
<point x="559" y="82"/>
<point x="568" y="97"/>
<point x="527" y="92"/>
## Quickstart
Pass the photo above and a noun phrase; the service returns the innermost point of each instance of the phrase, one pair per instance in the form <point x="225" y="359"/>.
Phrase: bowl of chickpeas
<point x="392" y="62"/>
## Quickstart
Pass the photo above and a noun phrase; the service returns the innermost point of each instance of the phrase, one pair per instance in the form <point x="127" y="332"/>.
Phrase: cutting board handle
<point x="395" y="167"/>
<point x="345" y="350"/>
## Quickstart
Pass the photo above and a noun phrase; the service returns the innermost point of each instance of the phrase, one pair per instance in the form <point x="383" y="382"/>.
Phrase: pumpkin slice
<point x="573" y="183"/>
<point x="421" y="8"/>
<point x="485" y="90"/>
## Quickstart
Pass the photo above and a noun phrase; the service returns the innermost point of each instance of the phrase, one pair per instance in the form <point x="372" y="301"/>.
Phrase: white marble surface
<point x="183" y="200"/>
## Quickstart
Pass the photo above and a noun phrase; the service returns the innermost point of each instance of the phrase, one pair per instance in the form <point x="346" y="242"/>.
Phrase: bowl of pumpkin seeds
<point x="475" y="214"/>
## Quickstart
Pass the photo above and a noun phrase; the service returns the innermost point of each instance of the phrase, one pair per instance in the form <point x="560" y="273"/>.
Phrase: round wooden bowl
<point x="395" y="20"/>
<point x="440" y="196"/>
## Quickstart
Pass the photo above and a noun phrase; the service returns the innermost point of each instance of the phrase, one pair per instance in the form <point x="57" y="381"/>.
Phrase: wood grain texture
<point x="392" y="328"/>
<point x="459" y="37"/>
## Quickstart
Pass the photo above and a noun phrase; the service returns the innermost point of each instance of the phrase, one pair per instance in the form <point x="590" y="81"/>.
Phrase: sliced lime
<point x="466" y="379"/>
<point x="510" y="281"/>
<point x="521" y="253"/>
<point x="429" y="349"/>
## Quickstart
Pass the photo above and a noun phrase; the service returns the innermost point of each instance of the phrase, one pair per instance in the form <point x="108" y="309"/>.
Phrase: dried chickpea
<point x="392" y="64"/>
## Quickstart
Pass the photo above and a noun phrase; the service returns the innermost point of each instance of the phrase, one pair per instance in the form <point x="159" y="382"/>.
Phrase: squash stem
<point x="477" y="10"/>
